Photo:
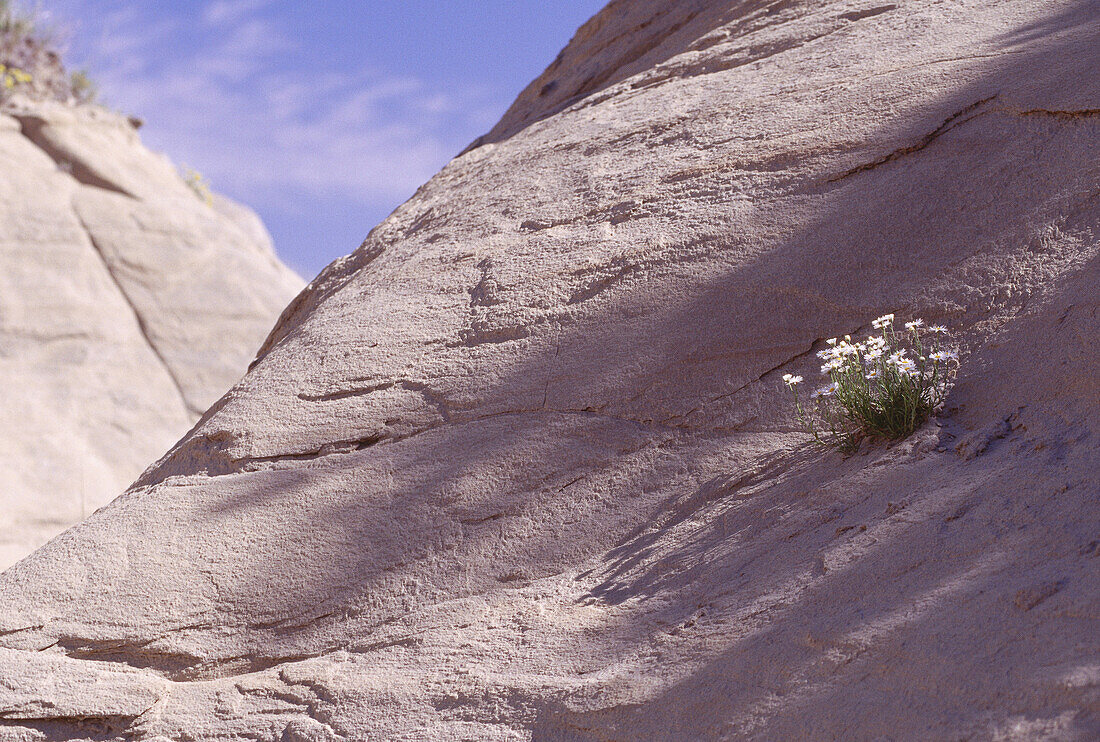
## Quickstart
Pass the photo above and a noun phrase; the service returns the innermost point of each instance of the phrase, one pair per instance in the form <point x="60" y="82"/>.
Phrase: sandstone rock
<point x="127" y="306"/>
<point x="522" y="466"/>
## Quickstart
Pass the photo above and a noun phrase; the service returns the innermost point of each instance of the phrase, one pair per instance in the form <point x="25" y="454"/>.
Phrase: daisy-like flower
<point x="791" y="380"/>
<point x="883" y="322"/>
<point x="898" y="372"/>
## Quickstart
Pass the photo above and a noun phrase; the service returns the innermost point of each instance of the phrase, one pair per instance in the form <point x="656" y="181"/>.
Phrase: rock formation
<point x="128" y="305"/>
<point x="522" y="465"/>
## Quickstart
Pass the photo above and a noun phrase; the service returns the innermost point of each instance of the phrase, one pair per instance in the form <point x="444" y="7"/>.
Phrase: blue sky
<point x="322" y="115"/>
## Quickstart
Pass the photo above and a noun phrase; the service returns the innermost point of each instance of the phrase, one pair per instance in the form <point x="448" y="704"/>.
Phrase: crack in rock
<point x="1069" y="115"/>
<point x="143" y="327"/>
<point x="951" y="122"/>
<point x="957" y="119"/>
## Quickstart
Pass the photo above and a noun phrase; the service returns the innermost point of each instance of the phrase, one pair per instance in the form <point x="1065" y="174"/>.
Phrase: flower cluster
<point x="12" y="76"/>
<point x="886" y="385"/>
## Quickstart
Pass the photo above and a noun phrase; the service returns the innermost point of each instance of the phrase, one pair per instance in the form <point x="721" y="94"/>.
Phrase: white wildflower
<point x="901" y="373"/>
<point x="791" y="380"/>
<point x="897" y="358"/>
<point x="883" y="322"/>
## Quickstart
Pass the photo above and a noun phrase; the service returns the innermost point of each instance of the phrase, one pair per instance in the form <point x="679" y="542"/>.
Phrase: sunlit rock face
<point x="128" y="304"/>
<point x="522" y="466"/>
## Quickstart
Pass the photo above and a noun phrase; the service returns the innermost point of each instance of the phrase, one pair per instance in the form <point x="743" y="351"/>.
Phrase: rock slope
<point x="127" y="306"/>
<point x="522" y="466"/>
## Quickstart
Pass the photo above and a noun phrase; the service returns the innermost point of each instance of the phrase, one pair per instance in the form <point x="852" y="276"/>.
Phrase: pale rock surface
<point x="127" y="306"/>
<point x="522" y="467"/>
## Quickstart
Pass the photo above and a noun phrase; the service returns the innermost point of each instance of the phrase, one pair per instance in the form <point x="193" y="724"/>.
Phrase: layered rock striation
<point x="522" y="465"/>
<point x="128" y="304"/>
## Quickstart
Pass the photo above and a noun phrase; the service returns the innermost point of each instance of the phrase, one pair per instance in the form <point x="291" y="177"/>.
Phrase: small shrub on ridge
<point x="198" y="185"/>
<point x="30" y="59"/>
<point x="83" y="88"/>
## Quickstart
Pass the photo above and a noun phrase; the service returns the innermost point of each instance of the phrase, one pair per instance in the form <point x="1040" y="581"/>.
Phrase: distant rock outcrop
<point x="522" y="467"/>
<point x="127" y="306"/>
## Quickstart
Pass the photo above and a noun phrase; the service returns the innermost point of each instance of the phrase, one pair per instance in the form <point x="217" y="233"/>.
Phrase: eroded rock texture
<point x="522" y="466"/>
<point x="127" y="306"/>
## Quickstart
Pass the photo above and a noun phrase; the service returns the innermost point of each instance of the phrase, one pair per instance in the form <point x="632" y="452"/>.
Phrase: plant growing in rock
<point x="83" y="88"/>
<point x="11" y="77"/>
<point x="30" y="61"/>
<point x="883" y="387"/>
<point x="197" y="183"/>
<point x="19" y="42"/>
<point x="15" y="22"/>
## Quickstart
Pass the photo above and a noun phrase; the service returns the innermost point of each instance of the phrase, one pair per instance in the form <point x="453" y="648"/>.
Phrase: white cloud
<point x="226" y="12"/>
<point x="223" y="99"/>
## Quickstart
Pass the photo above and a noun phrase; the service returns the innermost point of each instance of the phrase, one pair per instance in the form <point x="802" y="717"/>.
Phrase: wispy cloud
<point x="226" y="12"/>
<point x="221" y="99"/>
